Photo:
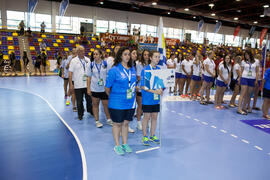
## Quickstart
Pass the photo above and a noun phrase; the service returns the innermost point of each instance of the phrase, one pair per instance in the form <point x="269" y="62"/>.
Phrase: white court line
<point x="69" y="128"/>
<point x="233" y="135"/>
<point x="259" y="148"/>
<point x="222" y="130"/>
<point x="173" y="111"/>
<point x="149" y="149"/>
<point x="180" y="114"/>
<point x="196" y="120"/>
<point x="205" y="123"/>
<point x="213" y="127"/>
<point x="245" y="141"/>
<point x="269" y="154"/>
<point x="188" y="117"/>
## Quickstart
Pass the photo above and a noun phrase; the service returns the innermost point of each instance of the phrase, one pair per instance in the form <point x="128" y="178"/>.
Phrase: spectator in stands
<point x="82" y="30"/>
<point x="21" y="28"/>
<point x="25" y="63"/>
<point x="1" y="63"/>
<point x="29" y="32"/>
<point x="42" y="46"/>
<point x="37" y="64"/>
<point x="77" y="73"/>
<point x="44" y="62"/>
<point x="12" y="64"/>
<point x="42" y="27"/>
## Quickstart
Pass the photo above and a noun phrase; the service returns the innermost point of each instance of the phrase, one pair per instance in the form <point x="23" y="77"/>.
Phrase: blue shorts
<point x="259" y="83"/>
<point x="196" y="78"/>
<point x="208" y="79"/>
<point x="178" y="75"/>
<point x="183" y="76"/>
<point x="247" y="82"/>
<point x="220" y="83"/>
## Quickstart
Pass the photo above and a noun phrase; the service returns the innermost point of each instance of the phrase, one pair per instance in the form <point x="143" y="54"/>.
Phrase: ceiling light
<point x="236" y="18"/>
<point x="266" y="6"/>
<point x="186" y="9"/>
<point x="169" y="12"/>
<point x="154" y="3"/>
<point x="101" y="2"/>
<point x="239" y="10"/>
<point x="216" y="20"/>
<point x="255" y="22"/>
<point x="211" y="5"/>
<point x="194" y="17"/>
<point x="261" y="15"/>
<point x="238" y="0"/>
<point x="213" y="14"/>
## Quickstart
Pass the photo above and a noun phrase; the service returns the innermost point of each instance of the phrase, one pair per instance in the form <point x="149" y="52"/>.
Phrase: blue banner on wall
<point x="32" y="4"/>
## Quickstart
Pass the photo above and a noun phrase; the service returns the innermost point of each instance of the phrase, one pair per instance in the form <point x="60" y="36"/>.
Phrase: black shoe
<point x="80" y="117"/>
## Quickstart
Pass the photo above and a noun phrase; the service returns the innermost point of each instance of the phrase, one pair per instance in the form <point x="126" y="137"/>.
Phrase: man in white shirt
<point x="77" y="73"/>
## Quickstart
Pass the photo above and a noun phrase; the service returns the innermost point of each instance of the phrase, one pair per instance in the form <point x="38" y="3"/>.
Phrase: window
<point x="230" y="42"/>
<point x="14" y="18"/>
<point x="37" y="19"/>
<point x="102" y="26"/>
<point x="120" y="27"/>
<point x="145" y="29"/>
<point x="215" y="38"/>
<point x="63" y="24"/>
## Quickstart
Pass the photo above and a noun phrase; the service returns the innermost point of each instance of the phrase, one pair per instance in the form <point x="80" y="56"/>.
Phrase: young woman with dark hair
<point x="178" y="72"/>
<point x="120" y="87"/>
<point x="97" y="72"/>
<point x="250" y="75"/>
<point x="223" y="80"/>
<point x="236" y="78"/>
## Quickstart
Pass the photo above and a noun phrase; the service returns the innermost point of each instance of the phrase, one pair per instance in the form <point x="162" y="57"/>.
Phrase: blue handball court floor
<point x="42" y="139"/>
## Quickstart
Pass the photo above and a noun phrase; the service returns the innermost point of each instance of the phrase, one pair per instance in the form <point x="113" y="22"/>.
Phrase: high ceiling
<point x="248" y="12"/>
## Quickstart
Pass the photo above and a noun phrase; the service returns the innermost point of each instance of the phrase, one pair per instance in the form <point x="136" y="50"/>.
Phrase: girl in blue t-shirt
<point x="150" y="101"/>
<point x="120" y="87"/>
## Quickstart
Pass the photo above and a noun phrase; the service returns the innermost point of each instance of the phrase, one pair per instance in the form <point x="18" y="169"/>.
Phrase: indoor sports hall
<point x="133" y="89"/>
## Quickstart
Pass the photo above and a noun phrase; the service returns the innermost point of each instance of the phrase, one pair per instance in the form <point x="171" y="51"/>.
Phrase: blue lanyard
<point x="128" y="75"/>
<point x="83" y="63"/>
<point x="98" y="68"/>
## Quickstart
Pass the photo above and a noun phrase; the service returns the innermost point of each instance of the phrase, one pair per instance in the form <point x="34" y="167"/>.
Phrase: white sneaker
<point x="139" y="125"/>
<point x="98" y="124"/>
<point x="110" y="122"/>
<point x="130" y="130"/>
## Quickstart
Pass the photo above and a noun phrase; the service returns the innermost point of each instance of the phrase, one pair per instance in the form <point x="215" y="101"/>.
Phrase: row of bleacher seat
<point x="9" y="42"/>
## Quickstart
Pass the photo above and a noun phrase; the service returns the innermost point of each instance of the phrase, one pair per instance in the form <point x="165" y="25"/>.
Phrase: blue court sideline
<point x="198" y="142"/>
<point x="34" y="143"/>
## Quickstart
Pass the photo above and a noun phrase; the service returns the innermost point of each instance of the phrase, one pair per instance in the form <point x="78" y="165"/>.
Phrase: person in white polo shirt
<point x="77" y="73"/>
<point x="97" y="72"/>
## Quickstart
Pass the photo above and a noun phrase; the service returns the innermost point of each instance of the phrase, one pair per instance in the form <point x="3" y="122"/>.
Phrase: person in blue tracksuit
<point x="120" y="87"/>
<point x="150" y="99"/>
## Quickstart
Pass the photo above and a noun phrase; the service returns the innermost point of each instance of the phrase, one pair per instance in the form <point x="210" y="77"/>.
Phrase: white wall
<point x="47" y="7"/>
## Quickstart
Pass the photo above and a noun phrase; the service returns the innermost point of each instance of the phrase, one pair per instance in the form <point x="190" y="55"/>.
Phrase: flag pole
<point x="264" y="63"/>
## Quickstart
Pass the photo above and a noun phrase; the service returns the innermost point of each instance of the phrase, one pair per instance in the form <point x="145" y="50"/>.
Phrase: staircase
<point x="24" y="46"/>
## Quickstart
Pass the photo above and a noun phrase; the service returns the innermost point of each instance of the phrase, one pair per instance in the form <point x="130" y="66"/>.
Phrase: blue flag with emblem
<point x="62" y="9"/>
<point x="200" y="25"/>
<point x="161" y="45"/>
<point x="31" y="8"/>
<point x="217" y="27"/>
